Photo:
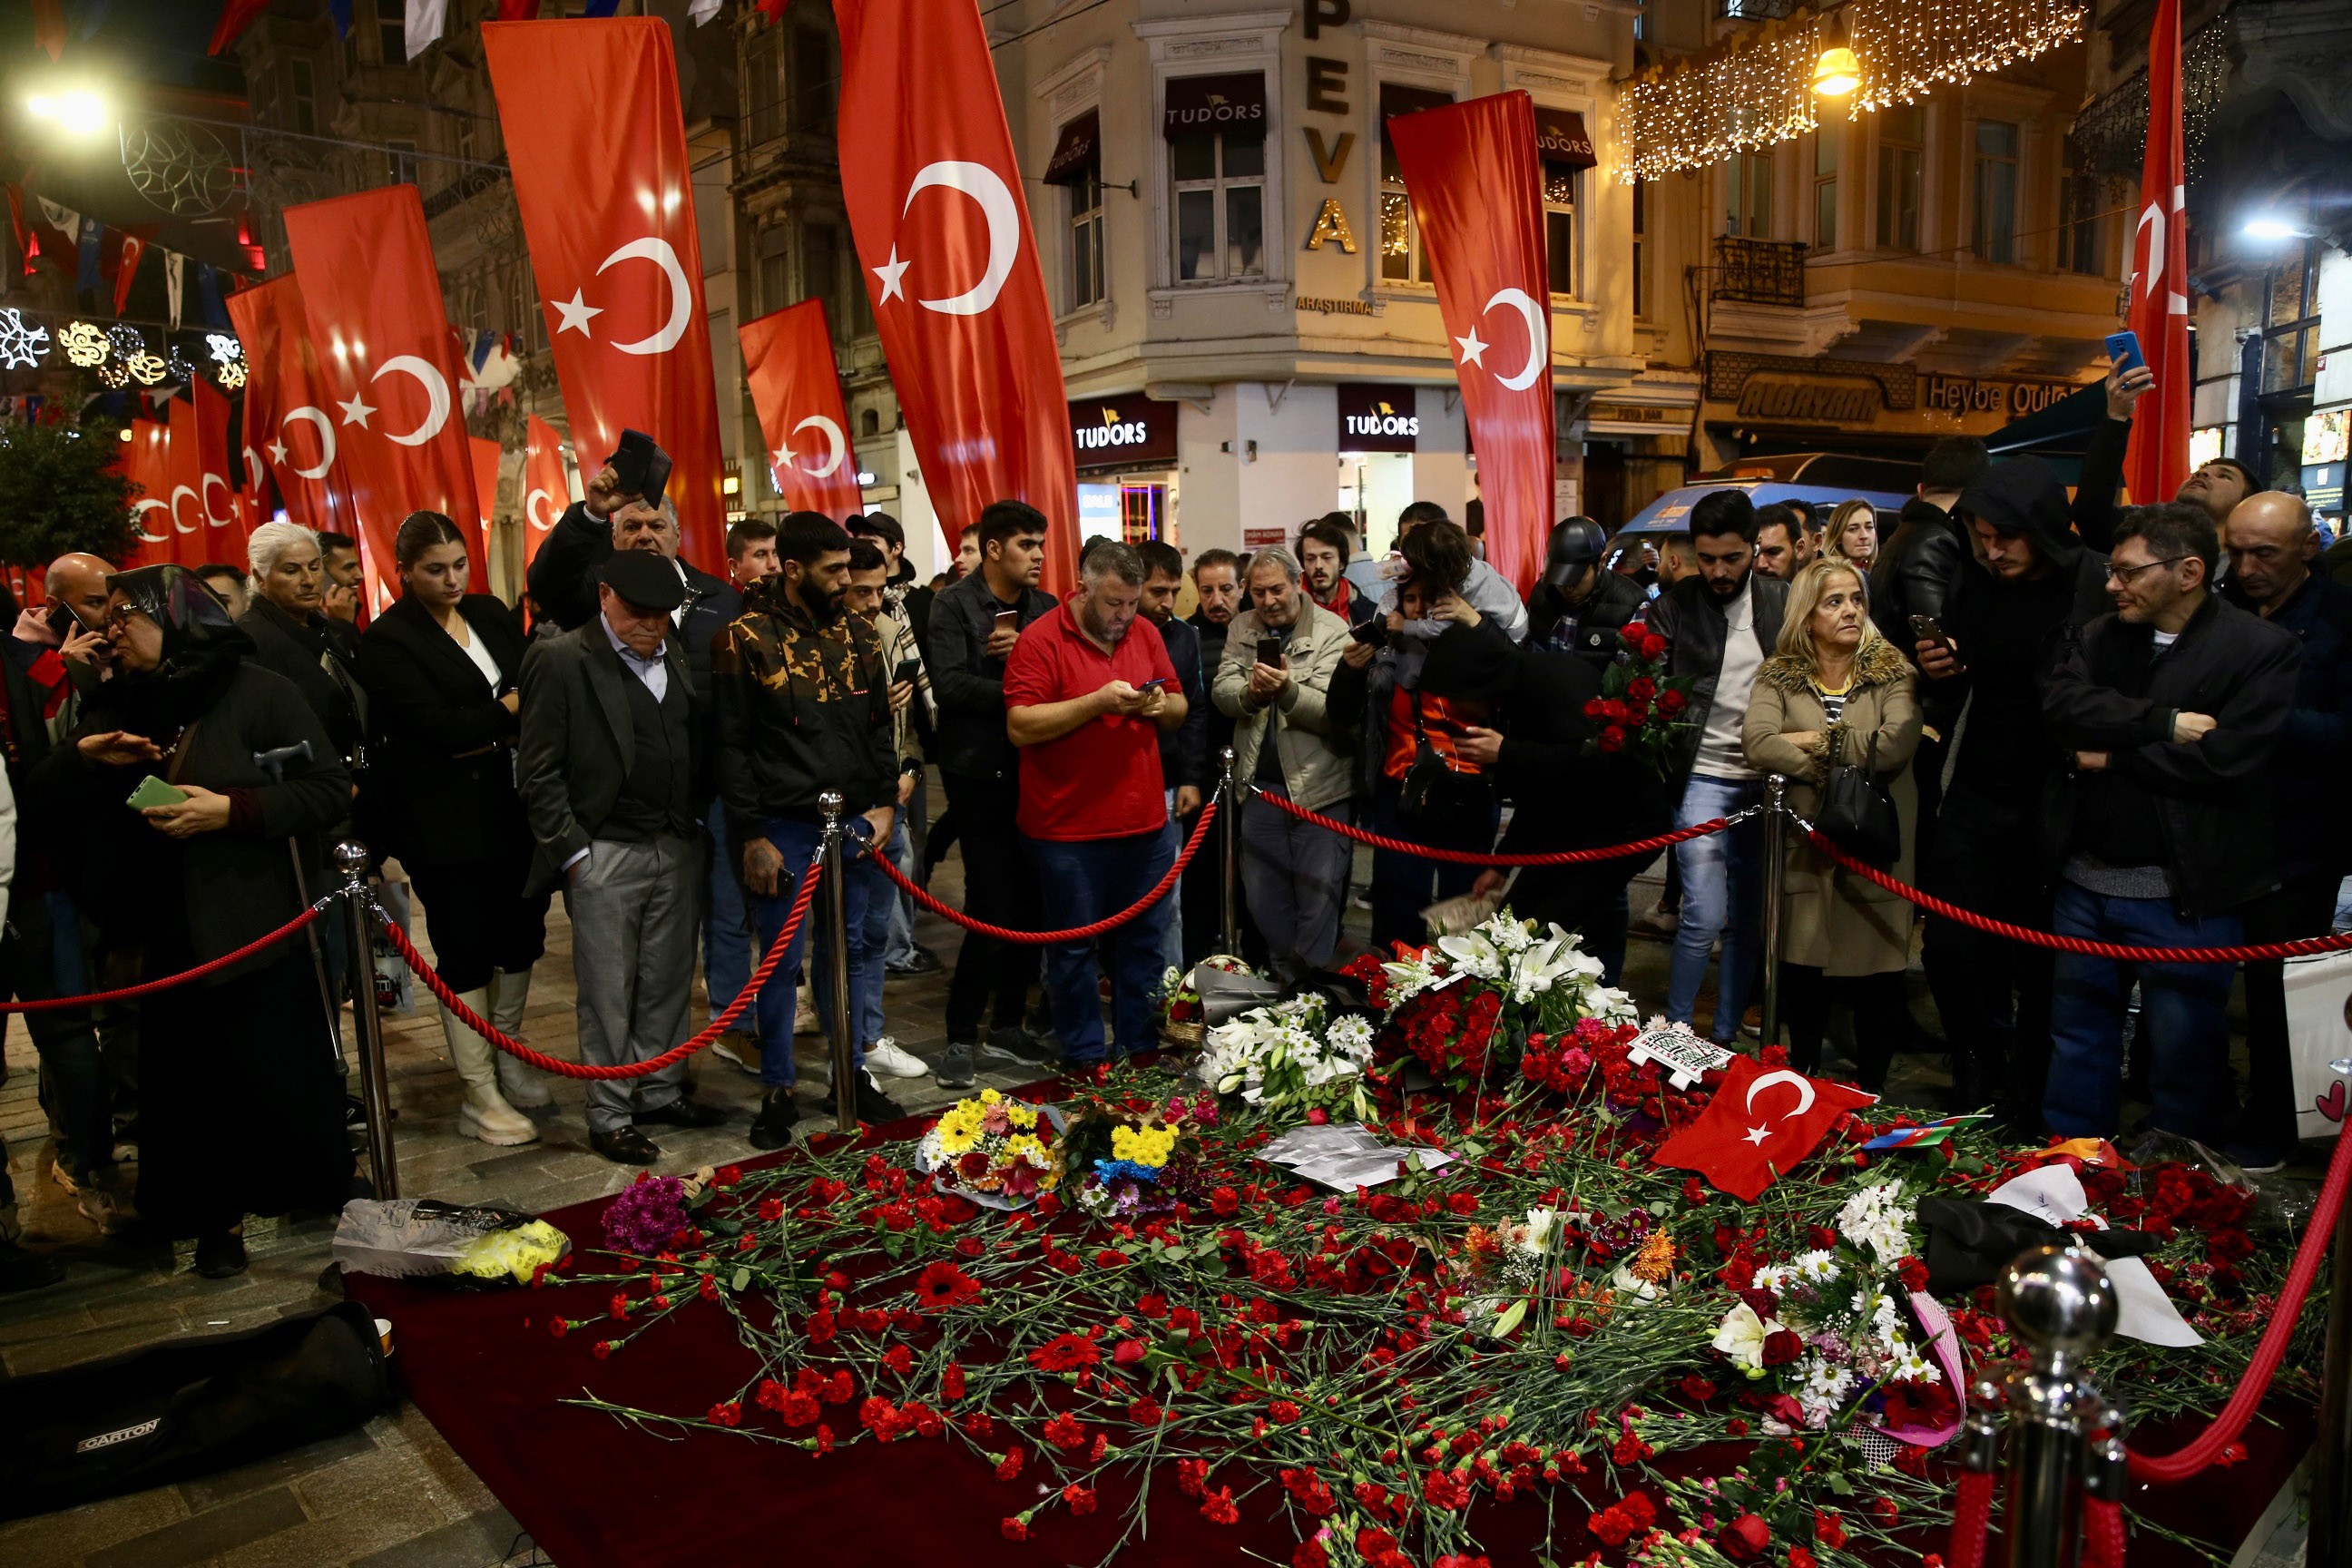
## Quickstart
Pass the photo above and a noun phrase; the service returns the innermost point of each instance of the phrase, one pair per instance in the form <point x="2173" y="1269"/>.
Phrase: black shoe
<point x="683" y="1112"/>
<point x="624" y="1146"/>
<point x="220" y="1254"/>
<point x="955" y="1069"/>
<point x="925" y="962"/>
<point x="873" y="1105"/>
<point x="23" y="1271"/>
<point x="1014" y="1043"/>
<point x="772" y="1128"/>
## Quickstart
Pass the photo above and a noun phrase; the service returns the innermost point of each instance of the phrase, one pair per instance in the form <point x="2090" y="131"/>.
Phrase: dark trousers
<point x="1403" y="884"/>
<point x="482" y="921"/>
<point x="1589" y="899"/>
<point x="2186" y="1006"/>
<point x="1201" y="912"/>
<point x="1093" y="880"/>
<point x="1882" y="1018"/>
<point x="2303" y="908"/>
<point x="41" y="956"/>
<point x="1991" y="994"/>
<point x="998" y="887"/>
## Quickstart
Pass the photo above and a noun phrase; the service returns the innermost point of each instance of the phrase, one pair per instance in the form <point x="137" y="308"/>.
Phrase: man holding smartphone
<point x="1087" y="692"/>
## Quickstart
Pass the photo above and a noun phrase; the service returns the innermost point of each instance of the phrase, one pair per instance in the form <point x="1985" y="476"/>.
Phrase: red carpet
<point x="594" y="1492"/>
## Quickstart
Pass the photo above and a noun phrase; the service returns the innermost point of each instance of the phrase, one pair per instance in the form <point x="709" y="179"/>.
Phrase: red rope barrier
<point x="1077" y="933"/>
<point x="2302" y="948"/>
<point x="2103" y="1533"/>
<point x="1971" y="1511"/>
<point x="1476" y="857"/>
<point x="678" y="1053"/>
<point x="50" y="1004"/>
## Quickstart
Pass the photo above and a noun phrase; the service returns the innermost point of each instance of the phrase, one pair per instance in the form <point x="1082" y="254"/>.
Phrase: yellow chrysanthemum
<point x="987" y="1096"/>
<point x="1020" y="1115"/>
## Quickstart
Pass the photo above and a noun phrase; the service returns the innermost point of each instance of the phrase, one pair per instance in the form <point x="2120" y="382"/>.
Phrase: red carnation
<point x="1445" y="1490"/>
<point x="1217" y="1507"/>
<point x="943" y="1285"/>
<point x="1010" y="1465"/>
<point x="1745" y="1537"/>
<point x="1065" y="1353"/>
<point x="1913" y="1273"/>
<point x="798" y="1409"/>
<point x="1014" y="1528"/>
<point x="1066" y="1432"/>
<point x="1080" y="1499"/>
<point x="1782" y="1346"/>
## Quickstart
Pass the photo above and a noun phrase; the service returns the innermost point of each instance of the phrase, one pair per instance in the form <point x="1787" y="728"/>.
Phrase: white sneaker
<point x="805" y="1021"/>
<point x="886" y="1054"/>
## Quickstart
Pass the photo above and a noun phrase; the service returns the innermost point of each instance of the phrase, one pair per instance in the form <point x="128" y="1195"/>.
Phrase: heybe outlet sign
<point x="1379" y="417"/>
<point x="1123" y="433"/>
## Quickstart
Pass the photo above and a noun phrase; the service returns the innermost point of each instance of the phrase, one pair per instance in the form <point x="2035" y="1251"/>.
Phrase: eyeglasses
<point x="2127" y="576"/>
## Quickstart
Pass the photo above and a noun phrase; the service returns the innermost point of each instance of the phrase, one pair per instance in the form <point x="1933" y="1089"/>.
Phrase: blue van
<point x="1824" y="478"/>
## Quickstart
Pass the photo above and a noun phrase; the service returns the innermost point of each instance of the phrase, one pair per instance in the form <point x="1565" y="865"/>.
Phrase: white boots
<point x="485" y="1114"/>
<point x="524" y="1085"/>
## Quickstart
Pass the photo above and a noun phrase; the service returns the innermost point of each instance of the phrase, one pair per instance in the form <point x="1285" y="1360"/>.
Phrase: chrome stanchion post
<point x="2058" y="1301"/>
<point x="1776" y="899"/>
<point x="1229" y="840"/>
<point x="2331" y="1475"/>
<point x="350" y="857"/>
<point x="836" y="962"/>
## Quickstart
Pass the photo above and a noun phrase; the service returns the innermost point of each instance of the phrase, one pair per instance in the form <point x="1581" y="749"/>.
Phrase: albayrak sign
<point x="1135" y="432"/>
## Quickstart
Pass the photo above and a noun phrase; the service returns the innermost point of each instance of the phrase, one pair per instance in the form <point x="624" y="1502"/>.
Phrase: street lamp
<point x="1838" y="72"/>
<point x="77" y="112"/>
<point x="2271" y="229"/>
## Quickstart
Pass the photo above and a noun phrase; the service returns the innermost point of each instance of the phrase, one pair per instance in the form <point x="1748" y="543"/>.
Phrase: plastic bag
<point x="470" y="1246"/>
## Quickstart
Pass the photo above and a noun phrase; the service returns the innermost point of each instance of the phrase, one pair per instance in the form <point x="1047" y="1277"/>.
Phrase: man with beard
<point x="1720" y="624"/>
<point x="2217" y="485"/>
<point x="1783" y="548"/>
<point x="1324" y="548"/>
<point x="1087" y="692"/>
<point x="803" y="699"/>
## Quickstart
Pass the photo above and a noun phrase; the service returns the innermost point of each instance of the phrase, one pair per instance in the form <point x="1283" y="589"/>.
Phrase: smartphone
<point x="2123" y="348"/>
<point x="1927" y="629"/>
<point x="62" y="620"/>
<point x="1157" y="683"/>
<point x="1009" y="619"/>
<point x="1370" y="632"/>
<point x="643" y="466"/>
<point x="152" y="790"/>
<point x="1269" y="653"/>
<point x="906" y="671"/>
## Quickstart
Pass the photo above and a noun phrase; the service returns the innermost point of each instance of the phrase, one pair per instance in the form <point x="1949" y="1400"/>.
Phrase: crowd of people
<point x="2050" y="709"/>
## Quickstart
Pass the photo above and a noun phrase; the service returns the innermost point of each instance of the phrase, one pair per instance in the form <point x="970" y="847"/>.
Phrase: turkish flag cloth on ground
<point x="1476" y="186"/>
<point x="934" y="199"/>
<point x="1761" y="1122"/>
<point x="788" y="360"/>
<point x="388" y="364"/>
<point x="222" y="539"/>
<point x="2157" y="461"/>
<point x="546" y="487"/>
<point x="618" y="263"/>
<point x="147" y="460"/>
<point x="286" y="417"/>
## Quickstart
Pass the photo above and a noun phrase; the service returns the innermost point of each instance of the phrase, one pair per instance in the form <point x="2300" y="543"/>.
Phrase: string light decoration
<point x="231" y="374"/>
<point x="177" y="366"/>
<point x="112" y="376"/>
<point x="22" y="345"/>
<point x="127" y="341"/>
<point x="1759" y="91"/>
<point x="144" y="368"/>
<point x="224" y="347"/>
<point x="84" y="344"/>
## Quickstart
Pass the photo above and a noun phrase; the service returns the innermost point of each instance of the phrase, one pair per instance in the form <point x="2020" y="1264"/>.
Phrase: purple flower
<point x="645" y="1215"/>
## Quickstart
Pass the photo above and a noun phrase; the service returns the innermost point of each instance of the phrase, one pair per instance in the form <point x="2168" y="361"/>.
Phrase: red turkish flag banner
<point x="935" y="205"/>
<point x="184" y="479"/>
<point x="618" y="263"/>
<point x="1476" y="186"/>
<point x="546" y="488"/>
<point x="287" y="422"/>
<point x="147" y="460"/>
<point x="2158" y="460"/>
<point x="222" y="539"/>
<point x="388" y="367"/>
<point x="795" y="387"/>
<point x="1761" y="1124"/>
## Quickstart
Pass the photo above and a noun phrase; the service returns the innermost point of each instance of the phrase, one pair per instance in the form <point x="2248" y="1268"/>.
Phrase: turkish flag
<point x="788" y="360"/>
<point x="1476" y="187"/>
<point x="486" y="476"/>
<point x="222" y="539"/>
<point x="130" y="248"/>
<point x="1761" y="1122"/>
<point x="935" y="204"/>
<point x="185" y="480"/>
<point x="286" y="403"/>
<point x="546" y="489"/>
<point x="388" y="367"/>
<point x="601" y="173"/>
<point x="2157" y="461"/>
<point x="147" y="461"/>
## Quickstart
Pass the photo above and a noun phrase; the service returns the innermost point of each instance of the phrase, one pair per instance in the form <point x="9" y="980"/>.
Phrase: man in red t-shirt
<point x="1087" y="692"/>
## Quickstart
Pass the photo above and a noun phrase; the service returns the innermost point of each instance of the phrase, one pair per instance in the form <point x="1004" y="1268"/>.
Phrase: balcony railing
<point x="470" y="182"/>
<point x="1759" y="271"/>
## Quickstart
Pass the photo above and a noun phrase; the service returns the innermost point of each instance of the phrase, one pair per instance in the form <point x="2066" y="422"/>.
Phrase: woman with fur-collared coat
<point x="1834" y="678"/>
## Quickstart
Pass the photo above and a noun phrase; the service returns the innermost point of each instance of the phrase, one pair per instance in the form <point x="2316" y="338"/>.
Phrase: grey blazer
<point x="573" y="753"/>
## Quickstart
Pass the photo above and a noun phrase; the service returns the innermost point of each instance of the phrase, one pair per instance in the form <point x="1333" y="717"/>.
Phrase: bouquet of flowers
<point x="1641" y="708"/>
<point x="1130" y="1157"/>
<point x="1290" y="1058"/>
<point x="998" y="1151"/>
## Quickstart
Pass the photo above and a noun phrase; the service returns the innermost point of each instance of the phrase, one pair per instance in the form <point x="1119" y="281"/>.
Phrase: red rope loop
<point x="1077" y="934"/>
<point x="678" y="1053"/>
<point x="1476" y="857"/>
<point x="186" y="976"/>
<point x="2304" y="947"/>
<point x="1971" y="1512"/>
<point x="2103" y="1533"/>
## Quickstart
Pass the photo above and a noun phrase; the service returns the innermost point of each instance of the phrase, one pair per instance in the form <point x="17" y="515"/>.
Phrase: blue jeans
<point x="2187" y="1007"/>
<point x="1086" y="880"/>
<point x="898" y="913"/>
<point x="863" y="888"/>
<point x="1172" y="940"/>
<point x="882" y="912"/>
<point x="727" y="952"/>
<point x="1723" y="896"/>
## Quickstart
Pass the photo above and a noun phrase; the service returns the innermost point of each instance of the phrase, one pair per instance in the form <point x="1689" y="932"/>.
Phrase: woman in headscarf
<point x="241" y="1085"/>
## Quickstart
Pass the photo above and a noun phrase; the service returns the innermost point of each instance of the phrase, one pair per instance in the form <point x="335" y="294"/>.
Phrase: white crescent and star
<point x="531" y="509"/>
<point x="1799" y="1082"/>
<point x="138" y="506"/>
<point x="988" y="190"/>
<point x="837" y="445"/>
<point x="658" y="251"/>
<point x="177" y="492"/>
<point x="1532" y="312"/>
<point x="252" y="470"/>
<point x="316" y="416"/>
<point x="437" y="393"/>
<point x="205" y="500"/>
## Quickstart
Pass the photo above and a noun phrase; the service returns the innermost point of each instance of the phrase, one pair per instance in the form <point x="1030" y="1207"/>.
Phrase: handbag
<point x="1858" y="814"/>
<point x="1435" y="794"/>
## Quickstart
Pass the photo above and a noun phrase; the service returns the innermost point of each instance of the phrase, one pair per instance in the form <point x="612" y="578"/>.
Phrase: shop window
<point x="390" y="31"/>
<point x="1747" y="192"/>
<point x="1559" y="226"/>
<point x="1076" y="167"/>
<point x="2291" y="322"/>
<point x="869" y="424"/>
<point x="1825" y="188"/>
<point x="1402" y="258"/>
<point x="1220" y="184"/>
<point x="1993" y="219"/>
<point x="1902" y="134"/>
<point x="400" y="162"/>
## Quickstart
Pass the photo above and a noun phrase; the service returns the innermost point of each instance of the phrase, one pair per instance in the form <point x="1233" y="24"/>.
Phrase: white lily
<point x="1741" y="1336"/>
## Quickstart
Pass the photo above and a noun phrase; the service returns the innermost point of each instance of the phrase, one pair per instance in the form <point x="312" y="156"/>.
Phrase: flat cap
<point x="646" y="579"/>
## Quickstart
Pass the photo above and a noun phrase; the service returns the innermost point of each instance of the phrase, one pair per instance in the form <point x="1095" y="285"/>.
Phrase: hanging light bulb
<point x="1838" y="72"/>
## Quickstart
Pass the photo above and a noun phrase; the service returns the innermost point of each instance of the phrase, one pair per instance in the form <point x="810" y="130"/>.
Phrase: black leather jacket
<point x="968" y="684"/>
<point x="1616" y="600"/>
<point x="1693" y="623"/>
<point x="1915" y="573"/>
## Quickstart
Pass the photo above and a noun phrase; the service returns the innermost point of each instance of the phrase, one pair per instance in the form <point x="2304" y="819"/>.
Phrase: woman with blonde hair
<point x="1837" y="692"/>
<point x="1853" y="535"/>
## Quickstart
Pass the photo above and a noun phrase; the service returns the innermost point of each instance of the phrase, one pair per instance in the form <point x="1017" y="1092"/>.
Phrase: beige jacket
<point x="1315" y="766"/>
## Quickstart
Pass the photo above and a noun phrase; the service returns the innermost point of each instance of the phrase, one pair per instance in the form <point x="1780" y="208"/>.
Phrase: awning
<point x="1233" y="104"/>
<point x="1074" y="151"/>
<point x="2063" y="428"/>
<point x="1397" y="99"/>
<point x="1560" y="138"/>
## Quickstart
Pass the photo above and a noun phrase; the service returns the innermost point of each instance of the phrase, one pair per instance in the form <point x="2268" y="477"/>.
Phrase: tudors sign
<point x="1379" y="417"/>
<point x="1135" y="432"/>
